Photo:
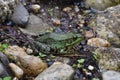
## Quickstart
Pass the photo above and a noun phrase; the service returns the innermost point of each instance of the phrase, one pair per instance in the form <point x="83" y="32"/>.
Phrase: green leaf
<point x="80" y="61"/>
<point x="79" y="65"/>
<point x="7" y="78"/>
<point x="0" y="78"/>
<point x="1" y="49"/>
<point x="5" y="45"/>
<point x="95" y="79"/>
<point x="42" y="55"/>
<point x="74" y="65"/>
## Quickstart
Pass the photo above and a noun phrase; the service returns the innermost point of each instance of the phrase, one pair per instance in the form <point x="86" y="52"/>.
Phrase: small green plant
<point x="79" y="63"/>
<point x="41" y="55"/>
<point x="6" y="78"/>
<point x="96" y="56"/>
<point x="95" y="79"/>
<point x="3" y="46"/>
<point x="50" y="11"/>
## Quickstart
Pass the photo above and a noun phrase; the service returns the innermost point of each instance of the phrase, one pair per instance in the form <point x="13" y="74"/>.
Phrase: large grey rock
<point x="101" y="4"/>
<point x="36" y="26"/>
<point x="109" y="58"/>
<point x="107" y="25"/>
<point x="20" y="15"/>
<point x="3" y="72"/>
<point x="58" y="71"/>
<point x="111" y="75"/>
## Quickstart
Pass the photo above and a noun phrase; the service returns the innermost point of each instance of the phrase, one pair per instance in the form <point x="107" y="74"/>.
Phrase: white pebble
<point x="90" y="67"/>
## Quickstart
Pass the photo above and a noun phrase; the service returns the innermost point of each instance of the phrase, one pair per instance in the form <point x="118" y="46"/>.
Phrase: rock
<point x="13" y="51"/>
<point x="111" y="75"/>
<point x="98" y="42"/>
<point x="35" y="8"/>
<point x="101" y="4"/>
<point x="57" y="71"/>
<point x="20" y="15"/>
<point x="3" y="72"/>
<point x="62" y="59"/>
<point x="67" y="9"/>
<point x="109" y="58"/>
<point x="6" y="7"/>
<point x="56" y="22"/>
<point x="31" y="65"/>
<point x="36" y="26"/>
<point x="89" y="34"/>
<point x="77" y="9"/>
<point x="18" y="72"/>
<point x="107" y="25"/>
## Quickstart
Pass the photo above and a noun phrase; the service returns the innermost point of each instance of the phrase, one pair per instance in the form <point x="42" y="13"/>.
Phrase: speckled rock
<point x="101" y="4"/>
<point x="57" y="71"/>
<point x="6" y="8"/>
<point x="36" y="26"/>
<point x="98" y="42"/>
<point x="107" y="25"/>
<point x="20" y="15"/>
<point x="13" y="51"/>
<point x="31" y="65"/>
<point x="109" y="58"/>
<point x="18" y="72"/>
<point x="111" y="75"/>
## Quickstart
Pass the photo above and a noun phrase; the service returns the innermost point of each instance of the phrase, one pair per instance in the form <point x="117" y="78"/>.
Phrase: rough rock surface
<point x="109" y="58"/>
<point x="36" y="26"/>
<point x="6" y="7"/>
<point x="3" y="72"/>
<point x="13" y="51"/>
<point x="107" y="25"/>
<point x="98" y="42"/>
<point x="31" y="65"/>
<point x="20" y="15"/>
<point x="101" y="4"/>
<point x="111" y="75"/>
<point x="18" y="72"/>
<point x="57" y="71"/>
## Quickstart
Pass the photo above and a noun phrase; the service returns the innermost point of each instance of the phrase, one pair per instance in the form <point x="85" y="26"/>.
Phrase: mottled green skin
<point x="62" y="43"/>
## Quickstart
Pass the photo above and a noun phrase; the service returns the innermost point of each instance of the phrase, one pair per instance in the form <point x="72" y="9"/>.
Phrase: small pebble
<point x="67" y="9"/>
<point x="35" y="8"/>
<point x="90" y="67"/>
<point x="89" y="34"/>
<point x="77" y="9"/>
<point x="29" y="51"/>
<point x="56" y="22"/>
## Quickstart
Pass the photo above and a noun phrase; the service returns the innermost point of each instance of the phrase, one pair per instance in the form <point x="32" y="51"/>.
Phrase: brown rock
<point x="56" y="22"/>
<point x="31" y="65"/>
<point x="18" y="72"/>
<point x="98" y="42"/>
<point x="67" y="9"/>
<point x="35" y="8"/>
<point x="14" y="51"/>
<point x="89" y="34"/>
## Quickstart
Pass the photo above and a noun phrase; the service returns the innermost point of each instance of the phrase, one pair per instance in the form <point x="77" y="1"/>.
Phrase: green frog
<point x="60" y="43"/>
